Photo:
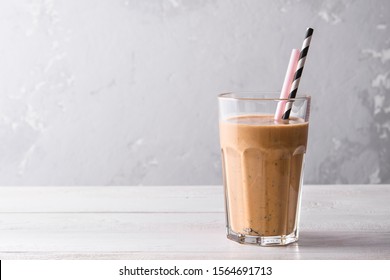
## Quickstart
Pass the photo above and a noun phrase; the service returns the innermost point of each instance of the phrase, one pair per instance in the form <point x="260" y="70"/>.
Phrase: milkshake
<point x="262" y="165"/>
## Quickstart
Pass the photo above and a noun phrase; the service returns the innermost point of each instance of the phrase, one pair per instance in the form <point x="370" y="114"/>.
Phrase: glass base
<point x="263" y="240"/>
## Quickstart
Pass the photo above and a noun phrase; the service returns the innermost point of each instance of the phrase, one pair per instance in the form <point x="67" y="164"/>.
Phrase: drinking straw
<point x="292" y="66"/>
<point x="298" y="73"/>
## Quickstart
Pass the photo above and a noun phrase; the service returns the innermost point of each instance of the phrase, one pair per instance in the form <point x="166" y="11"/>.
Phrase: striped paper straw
<point x="298" y="72"/>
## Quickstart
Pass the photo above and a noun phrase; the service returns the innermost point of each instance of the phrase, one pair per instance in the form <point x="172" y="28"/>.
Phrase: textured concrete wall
<point x="124" y="92"/>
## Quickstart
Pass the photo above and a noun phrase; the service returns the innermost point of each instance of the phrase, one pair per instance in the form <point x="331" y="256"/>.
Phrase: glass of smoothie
<point x="262" y="162"/>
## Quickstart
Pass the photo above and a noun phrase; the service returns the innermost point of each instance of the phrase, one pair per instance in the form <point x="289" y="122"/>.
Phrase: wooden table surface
<point x="183" y="222"/>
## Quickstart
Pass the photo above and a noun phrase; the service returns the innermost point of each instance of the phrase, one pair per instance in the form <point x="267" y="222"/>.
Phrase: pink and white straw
<point x="292" y="66"/>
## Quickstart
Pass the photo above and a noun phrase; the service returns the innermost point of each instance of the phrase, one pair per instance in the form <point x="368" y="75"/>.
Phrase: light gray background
<point x="124" y="92"/>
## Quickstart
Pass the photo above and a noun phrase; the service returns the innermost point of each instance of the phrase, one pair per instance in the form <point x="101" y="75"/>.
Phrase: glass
<point x="262" y="166"/>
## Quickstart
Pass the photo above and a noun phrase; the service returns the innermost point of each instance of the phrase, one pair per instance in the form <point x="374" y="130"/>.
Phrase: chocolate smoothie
<point x="262" y="171"/>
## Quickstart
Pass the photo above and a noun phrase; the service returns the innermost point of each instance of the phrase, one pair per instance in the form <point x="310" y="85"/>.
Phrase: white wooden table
<point x="183" y="222"/>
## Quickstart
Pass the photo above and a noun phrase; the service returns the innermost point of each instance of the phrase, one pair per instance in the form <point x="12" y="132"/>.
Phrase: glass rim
<point x="259" y="95"/>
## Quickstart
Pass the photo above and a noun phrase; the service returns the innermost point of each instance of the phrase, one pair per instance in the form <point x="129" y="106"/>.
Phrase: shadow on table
<point x="344" y="240"/>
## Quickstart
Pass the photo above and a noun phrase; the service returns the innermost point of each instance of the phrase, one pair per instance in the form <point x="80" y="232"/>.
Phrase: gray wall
<point x="119" y="92"/>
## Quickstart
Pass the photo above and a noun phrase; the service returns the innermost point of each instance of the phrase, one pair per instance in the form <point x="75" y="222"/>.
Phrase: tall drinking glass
<point x="262" y="162"/>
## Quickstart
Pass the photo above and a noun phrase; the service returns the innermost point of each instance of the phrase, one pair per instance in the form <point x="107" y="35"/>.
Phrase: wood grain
<point x="183" y="222"/>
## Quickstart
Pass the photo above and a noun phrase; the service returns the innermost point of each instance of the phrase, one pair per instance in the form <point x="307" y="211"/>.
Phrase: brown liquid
<point x="262" y="162"/>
